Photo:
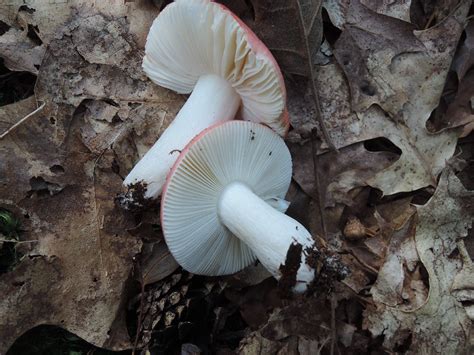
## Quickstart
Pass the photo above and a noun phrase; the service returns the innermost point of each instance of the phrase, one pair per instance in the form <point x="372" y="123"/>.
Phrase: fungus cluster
<point x="200" y="46"/>
<point x="222" y="183"/>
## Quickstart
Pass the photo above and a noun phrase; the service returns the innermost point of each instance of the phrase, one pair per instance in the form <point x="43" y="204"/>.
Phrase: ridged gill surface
<point x="234" y="151"/>
<point x="191" y="38"/>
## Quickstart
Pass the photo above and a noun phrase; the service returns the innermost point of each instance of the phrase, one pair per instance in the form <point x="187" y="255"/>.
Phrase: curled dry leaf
<point x="464" y="59"/>
<point x="158" y="263"/>
<point x="441" y="222"/>
<point x="354" y="229"/>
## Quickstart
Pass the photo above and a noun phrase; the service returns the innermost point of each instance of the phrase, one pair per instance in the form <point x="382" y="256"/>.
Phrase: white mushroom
<point x="215" y="210"/>
<point x="201" y="47"/>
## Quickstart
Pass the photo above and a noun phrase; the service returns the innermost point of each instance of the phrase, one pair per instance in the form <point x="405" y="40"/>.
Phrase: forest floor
<point x="381" y="104"/>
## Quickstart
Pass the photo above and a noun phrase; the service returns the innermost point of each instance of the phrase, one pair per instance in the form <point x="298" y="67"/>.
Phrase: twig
<point x="18" y="241"/>
<point x="333" y="324"/>
<point x="314" y="137"/>
<point x="465" y="257"/>
<point x="140" y="313"/>
<point x="4" y="134"/>
<point x="96" y="210"/>
<point x="314" y="91"/>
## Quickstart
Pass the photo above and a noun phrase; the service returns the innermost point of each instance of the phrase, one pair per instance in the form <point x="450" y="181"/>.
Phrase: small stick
<point x="333" y="324"/>
<point x="18" y="241"/>
<point x="140" y="314"/>
<point x="314" y="148"/>
<point x="4" y="134"/>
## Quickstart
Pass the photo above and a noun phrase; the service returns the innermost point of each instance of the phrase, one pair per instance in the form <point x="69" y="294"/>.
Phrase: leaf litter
<point x="391" y="83"/>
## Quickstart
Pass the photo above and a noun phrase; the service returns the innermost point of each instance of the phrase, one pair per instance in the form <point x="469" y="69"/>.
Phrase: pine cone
<point x="176" y="310"/>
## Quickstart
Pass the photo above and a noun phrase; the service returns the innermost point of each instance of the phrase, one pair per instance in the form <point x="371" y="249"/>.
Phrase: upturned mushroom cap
<point x="191" y="38"/>
<point x="235" y="151"/>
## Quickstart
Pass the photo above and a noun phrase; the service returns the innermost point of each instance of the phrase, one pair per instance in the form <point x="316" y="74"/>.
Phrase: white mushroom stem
<point x="268" y="232"/>
<point x="213" y="100"/>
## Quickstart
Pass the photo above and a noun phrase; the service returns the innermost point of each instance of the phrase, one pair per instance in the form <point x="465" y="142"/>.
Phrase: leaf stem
<point x="4" y="134"/>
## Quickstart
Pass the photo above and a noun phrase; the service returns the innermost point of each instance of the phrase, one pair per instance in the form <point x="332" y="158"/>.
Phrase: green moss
<point x="10" y="230"/>
<point x="51" y="340"/>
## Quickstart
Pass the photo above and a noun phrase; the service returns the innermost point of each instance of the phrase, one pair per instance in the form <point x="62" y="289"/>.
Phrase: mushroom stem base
<point x="268" y="232"/>
<point x="212" y="101"/>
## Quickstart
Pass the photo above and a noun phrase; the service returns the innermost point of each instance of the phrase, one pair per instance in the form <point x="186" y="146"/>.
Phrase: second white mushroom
<point x="217" y="209"/>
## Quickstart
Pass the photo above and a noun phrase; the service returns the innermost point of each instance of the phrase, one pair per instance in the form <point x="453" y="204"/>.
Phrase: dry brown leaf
<point x="157" y="264"/>
<point x="61" y="169"/>
<point x="396" y="8"/>
<point x="284" y="333"/>
<point x="396" y="76"/>
<point x="463" y="284"/>
<point x="292" y="30"/>
<point x="34" y="25"/>
<point x="441" y="222"/>
<point x="461" y="111"/>
<point x="465" y="56"/>
<point x="47" y="17"/>
<point x="340" y="172"/>
<point x="73" y="276"/>
<point x="398" y="281"/>
<point x="19" y="52"/>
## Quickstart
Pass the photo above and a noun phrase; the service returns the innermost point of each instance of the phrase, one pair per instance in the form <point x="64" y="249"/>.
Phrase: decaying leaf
<point x="463" y="284"/>
<point x="79" y="243"/>
<point x="47" y="17"/>
<point x="19" y="52"/>
<point x="441" y="222"/>
<point x="460" y="112"/>
<point x="340" y="172"/>
<point x="399" y="9"/>
<point x="291" y="29"/>
<point x="465" y="56"/>
<point x="286" y="334"/>
<point x="158" y="264"/>
<point x="395" y="80"/>
<point x="60" y="171"/>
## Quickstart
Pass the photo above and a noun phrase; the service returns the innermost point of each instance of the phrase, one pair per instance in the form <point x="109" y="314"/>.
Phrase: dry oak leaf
<point x="395" y="76"/>
<point x="338" y="10"/>
<point x="19" y="52"/>
<point x="48" y="17"/>
<point x="32" y="26"/>
<point x="61" y="170"/>
<point x="339" y="172"/>
<point x="401" y="73"/>
<point x="285" y="333"/>
<point x="74" y="274"/>
<point x="291" y="29"/>
<point x="439" y="324"/>
<point x="464" y="59"/>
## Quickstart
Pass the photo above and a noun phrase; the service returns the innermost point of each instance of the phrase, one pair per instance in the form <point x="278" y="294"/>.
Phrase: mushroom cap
<point x="191" y="38"/>
<point x="232" y="151"/>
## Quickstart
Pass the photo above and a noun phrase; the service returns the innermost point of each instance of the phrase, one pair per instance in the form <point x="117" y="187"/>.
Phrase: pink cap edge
<point x="259" y="47"/>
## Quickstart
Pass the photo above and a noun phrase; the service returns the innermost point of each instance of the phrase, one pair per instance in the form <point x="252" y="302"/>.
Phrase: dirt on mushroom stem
<point x="134" y="199"/>
<point x="328" y="269"/>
